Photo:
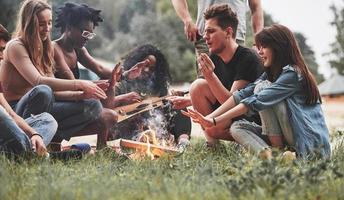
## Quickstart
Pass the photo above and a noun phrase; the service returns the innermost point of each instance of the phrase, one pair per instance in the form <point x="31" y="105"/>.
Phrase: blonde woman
<point x="20" y="135"/>
<point x="28" y="81"/>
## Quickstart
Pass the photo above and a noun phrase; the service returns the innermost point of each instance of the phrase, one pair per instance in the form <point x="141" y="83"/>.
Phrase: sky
<point x="311" y="18"/>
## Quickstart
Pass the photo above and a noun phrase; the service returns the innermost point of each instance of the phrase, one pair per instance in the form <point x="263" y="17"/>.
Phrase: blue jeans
<point x="14" y="140"/>
<point x="275" y="122"/>
<point x="249" y="135"/>
<point x="71" y="116"/>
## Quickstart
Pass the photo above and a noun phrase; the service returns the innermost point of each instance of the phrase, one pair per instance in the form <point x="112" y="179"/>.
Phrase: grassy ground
<point x="224" y="173"/>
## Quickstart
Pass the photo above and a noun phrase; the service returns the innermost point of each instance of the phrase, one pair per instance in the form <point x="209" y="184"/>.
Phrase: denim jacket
<point x="310" y="133"/>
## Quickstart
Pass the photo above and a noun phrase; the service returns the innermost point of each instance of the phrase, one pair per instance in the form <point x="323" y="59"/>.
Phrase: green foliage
<point x="224" y="173"/>
<point x="308" y="55"/>
<point x="268" y="21"/>
<point x="8" y="14"/>
<point x="337" y="61"/>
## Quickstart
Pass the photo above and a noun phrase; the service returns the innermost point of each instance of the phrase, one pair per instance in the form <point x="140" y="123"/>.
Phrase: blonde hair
<point x="40" y="52"/>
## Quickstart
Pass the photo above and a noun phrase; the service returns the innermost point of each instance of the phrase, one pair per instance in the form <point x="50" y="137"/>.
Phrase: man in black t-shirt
<point x="230" y="67"/>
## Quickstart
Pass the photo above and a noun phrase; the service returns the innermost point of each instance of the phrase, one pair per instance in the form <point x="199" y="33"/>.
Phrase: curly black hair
<point x="161" y="76"/>
<point x="72" y="14"/>
<point x="4" y="35"/>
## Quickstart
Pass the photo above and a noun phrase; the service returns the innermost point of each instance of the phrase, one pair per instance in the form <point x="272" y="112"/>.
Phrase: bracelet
<point x="35" y="133"/>
<point x="214" y="121"/>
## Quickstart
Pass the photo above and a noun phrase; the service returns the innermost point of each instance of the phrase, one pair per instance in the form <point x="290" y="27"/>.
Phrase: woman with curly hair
<point x="153" y="81"/>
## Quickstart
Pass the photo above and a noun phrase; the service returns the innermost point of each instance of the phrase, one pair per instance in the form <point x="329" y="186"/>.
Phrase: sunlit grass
<point x="224" y="173"/>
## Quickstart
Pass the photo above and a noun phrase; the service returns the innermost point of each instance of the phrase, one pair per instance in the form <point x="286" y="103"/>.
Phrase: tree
<point x="308" y="55"/>
<point x="8" y="12"/>
<point x="337" y="47"/>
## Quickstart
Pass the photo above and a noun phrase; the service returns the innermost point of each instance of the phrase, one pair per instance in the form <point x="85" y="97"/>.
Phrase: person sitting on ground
<point x="17" y="135"/>
<point x="229" y="68"/>
<point x="77" y="23"/>
<point x="154" y="82"/>
<point x="286" y="97"/>
<point x="28" y="79"/>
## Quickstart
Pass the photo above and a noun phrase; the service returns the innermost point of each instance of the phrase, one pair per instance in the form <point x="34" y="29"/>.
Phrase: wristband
<point x="214" y="121"/>
<point x="35" y="133"/>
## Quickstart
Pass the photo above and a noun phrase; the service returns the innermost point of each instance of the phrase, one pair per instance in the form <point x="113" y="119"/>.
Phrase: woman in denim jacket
<point x="286" y="97"/>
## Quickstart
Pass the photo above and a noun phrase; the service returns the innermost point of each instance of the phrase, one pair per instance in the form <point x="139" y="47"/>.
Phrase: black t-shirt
<point x="245" y="65"/>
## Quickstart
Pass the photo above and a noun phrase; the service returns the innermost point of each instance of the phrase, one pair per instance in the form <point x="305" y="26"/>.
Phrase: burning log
<point x="132" y="125"/>
<point x="142" y="147"/>
<point x="147" y="145"/>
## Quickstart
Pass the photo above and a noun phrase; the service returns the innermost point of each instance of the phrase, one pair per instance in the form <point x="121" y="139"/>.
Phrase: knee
<point x="4" y="116"/>
<point x="109" y="117"/>
<point x="198" y="87"/>
<point x="43" y="93"/>
<point x="235" y="130"/>
<point x="92" y="109"/>
<point x="49" y="121"/>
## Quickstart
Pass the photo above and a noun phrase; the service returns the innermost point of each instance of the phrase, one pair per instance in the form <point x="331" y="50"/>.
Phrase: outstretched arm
<point x="211" y="121"/>
<point x="90" y="63"/>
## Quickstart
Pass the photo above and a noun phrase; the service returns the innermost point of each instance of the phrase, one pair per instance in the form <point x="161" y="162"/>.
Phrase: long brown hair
<point x="40" y="52"/>
<point x="285" y="51"/>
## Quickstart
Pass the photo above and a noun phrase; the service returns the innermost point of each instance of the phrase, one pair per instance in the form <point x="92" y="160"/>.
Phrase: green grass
<point x="226" y="173"/>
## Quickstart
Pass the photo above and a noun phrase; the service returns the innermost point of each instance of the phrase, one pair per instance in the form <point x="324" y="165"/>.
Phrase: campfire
<point x="147" y="146"/>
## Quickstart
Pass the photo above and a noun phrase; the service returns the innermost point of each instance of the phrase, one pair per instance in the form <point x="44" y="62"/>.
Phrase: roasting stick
<point x="151" y="104"/>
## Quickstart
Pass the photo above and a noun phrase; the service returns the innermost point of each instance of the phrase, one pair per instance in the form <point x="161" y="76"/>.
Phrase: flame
<point x="148" y="150"/>
<point x="149" y="137"/>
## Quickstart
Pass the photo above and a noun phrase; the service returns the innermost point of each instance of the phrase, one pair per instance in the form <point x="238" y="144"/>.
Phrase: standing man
<point x="194" y="31"/>
<point x="230" y="67"/>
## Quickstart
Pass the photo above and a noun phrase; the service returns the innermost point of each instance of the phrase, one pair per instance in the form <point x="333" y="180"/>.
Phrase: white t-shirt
<point x="238" y="6"/>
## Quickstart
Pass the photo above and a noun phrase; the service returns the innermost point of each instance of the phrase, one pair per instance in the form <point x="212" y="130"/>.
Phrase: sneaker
<point x="265" y="154"/>
<point x="211" y="145"/>
<point x="288" y="156"/>
<point x="182" y="145"/>
<point x="83" y="147"/>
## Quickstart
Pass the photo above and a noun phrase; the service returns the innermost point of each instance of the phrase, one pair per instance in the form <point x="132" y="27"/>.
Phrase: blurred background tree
<point x="337" y="47"/>
<point x="306" y="50"/>
<point x="130" y="23"/>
